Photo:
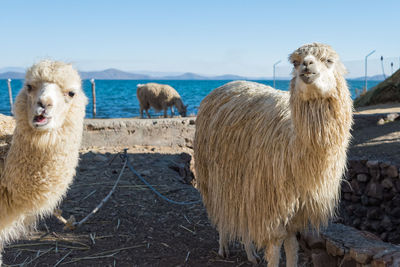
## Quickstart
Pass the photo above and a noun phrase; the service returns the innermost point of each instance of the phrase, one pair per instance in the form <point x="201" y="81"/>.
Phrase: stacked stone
<point x="344" y="246"/>
<point x="371" y="199"/>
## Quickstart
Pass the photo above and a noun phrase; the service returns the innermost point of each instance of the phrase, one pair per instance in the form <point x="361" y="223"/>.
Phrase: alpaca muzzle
<point x="309" y="77"/>
<point x="41" y="120"/>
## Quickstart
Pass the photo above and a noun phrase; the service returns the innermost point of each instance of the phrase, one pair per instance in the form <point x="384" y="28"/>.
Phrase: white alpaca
<point x="160" y="97"/>
<point x="269" y="163"/>
<point x="40" y="164"/>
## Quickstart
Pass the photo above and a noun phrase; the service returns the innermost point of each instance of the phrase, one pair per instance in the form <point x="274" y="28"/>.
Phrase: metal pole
<point x="94" y="97"/>
<point x="391" y="65"/>
<point x="366" y="57"/>
<point x="383" y="70"/>
<point x="276" y="63"/>
<point x="10" y="95"/>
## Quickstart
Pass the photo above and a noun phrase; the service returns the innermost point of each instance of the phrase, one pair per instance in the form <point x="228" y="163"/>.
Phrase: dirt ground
<point x="137" y="228"/>
<point x="373" y="141"/>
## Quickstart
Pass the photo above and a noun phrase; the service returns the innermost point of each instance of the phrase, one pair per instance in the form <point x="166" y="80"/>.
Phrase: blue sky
<point x="206" y="37"/>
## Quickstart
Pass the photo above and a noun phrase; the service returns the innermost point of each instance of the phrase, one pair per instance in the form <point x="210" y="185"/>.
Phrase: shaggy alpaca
<point x="160" y="97"/>
<point x="40" y="164"/>
<point x="269" y="163"/>
<point x="7" y="126"/>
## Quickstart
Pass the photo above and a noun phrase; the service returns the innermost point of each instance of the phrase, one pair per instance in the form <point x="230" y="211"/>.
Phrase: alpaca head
<point x="316" y="69"/>
<point x="51" y="89"/>
<point x="182" y="109"/>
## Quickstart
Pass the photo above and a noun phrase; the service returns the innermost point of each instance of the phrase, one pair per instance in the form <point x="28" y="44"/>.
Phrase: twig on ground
<point x="72" y="224"/>
<point x="187" y="229"/>
<point x="101" y="254"/>
<point x="187" y="256"/>
<point x="118" y="224"/>
<point x="91" y="193"/>
<point x="16" y="256"/>
<point x="165" y="245"/>
<point x="113" y="158"/>
<point x="90" y="258"/>
<point x="38" y="255"/>
<point x="186" y="219"/>
<point x="77" y="224"/>
<point x="93" y="238"/>
<point x="63" y="258"/>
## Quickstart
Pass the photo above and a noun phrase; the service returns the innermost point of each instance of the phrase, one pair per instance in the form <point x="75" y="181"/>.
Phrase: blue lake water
<point x="117" y="98"/>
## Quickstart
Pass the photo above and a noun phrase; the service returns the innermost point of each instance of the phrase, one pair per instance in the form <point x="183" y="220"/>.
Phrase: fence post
<point x="94" y="97"/>
<point x="10" y="95"/>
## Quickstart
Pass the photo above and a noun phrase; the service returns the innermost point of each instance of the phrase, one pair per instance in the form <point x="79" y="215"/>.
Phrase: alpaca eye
<point x="329" y="61"/>
<point x="295" y="63"/>
<point x="29" y="87"/>
<point x="71" y="94"/>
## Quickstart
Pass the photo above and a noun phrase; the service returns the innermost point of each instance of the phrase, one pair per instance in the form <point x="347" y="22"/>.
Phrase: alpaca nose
<point x="45" y="103"/>
<point x="308" y="62"/>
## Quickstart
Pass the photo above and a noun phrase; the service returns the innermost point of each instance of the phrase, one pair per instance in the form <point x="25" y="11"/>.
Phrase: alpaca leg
<point x="172" y="111"/>
<point x="251" y="252"/>
<point x="165" y="113"/>
<point x="273" y="253"/>
<point x="141" y="112"/>
<point x="1" y="253"/>
<point x="147" y="113"/>
<point x="223" y="250"/>
<point x="291" y="248"/>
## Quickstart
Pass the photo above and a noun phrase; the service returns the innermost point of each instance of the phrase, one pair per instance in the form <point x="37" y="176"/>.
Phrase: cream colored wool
<point x="41" y="162"/>
<point x="160" y="97"/>
<point x="269" y="163"/>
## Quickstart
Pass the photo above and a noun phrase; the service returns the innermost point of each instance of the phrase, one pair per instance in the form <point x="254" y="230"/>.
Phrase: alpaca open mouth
<point x="40" y="120"/>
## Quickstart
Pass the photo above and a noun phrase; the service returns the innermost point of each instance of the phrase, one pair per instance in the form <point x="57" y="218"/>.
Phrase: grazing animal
<point x="160" y="97"/>
<point x="269" y="163"/>
<point x="40" y="164"/>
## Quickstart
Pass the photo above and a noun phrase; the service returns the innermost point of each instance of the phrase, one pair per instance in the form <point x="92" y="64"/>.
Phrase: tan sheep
<point x="270" y="163"/>
<point x="160" y="97"/>
<point x="40" y="165"/>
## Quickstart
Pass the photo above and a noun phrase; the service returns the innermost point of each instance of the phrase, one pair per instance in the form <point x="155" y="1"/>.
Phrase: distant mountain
<point x="113" y="74"/>
<point x="378" y="77"/>
<point x="12" y="69"/>
<point x="157" y="73"/>
<point x="194" y="76"/>
<point x="229" y="77"/>
<point x="185" y="76"/>
<point x="12" y="75"/>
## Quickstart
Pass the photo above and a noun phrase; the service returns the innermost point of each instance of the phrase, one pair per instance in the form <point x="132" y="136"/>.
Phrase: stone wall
<point x="130" y="132"/>
<point x="341" y="245"/>
<point x="371" y="199"/>
<point x="369" y="215"/>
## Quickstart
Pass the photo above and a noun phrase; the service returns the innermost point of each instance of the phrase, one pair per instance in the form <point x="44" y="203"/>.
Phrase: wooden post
<point x="10" y="95"/>
<point x="94" y="97"/>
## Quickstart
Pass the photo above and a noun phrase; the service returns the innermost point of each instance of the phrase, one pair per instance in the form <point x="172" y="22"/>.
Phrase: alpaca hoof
<point x="254" y="258"/>
<point x="223" y="252"/>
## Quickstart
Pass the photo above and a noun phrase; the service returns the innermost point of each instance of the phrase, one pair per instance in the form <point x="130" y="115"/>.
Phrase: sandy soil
<point x="137" y="228"/>
<point x="379" y="109"/>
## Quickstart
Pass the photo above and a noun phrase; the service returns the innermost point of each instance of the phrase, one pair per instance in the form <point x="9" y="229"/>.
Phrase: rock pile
<point x="344" y="246"/>
<point x="371" y="199"/>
